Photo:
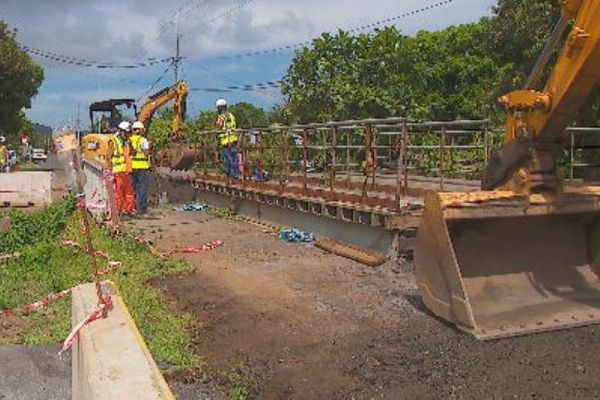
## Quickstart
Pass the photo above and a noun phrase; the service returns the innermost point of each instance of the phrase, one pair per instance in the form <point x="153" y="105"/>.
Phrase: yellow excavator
<point x="105" y="116"/>
<point x="523" y="254"/>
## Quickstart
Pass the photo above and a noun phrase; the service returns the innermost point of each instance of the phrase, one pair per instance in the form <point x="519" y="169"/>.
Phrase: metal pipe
<point x="551" y="44"/>
<point x="333" y="159"/>
<point x="572" y="154"/>
<point x="304" y="160"/>
<point x="348" y="158"/>
<point x="442" y="166"/>
<point x="404" y="152"/>
<point x="486" y="144"/>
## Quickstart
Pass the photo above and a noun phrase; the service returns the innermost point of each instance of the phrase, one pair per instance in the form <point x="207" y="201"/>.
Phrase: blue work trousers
<point x="230" y="161"/>
<point x="140" y="186"/>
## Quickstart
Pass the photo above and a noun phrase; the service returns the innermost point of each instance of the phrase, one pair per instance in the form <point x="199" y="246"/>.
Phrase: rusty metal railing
<point x="358" y="160"/>
<point x="582" y="158"/>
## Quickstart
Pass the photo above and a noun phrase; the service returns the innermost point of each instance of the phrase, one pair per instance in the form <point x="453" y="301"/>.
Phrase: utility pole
<point x="78" y="126"/>
<point x="177" y="38"/>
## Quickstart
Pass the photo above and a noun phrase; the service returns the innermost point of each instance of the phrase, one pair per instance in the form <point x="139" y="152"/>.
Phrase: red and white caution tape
<point x="112" y="265"/>
<point x="38" y="304"/>
<point x="95" y="313"/>
<point x="91" y="206"/>
<point x="6" y="257"/>
<point x="97" y="253"/>
<point x="8" y="191"/>
<point x="71" y="243"/>
<point x="195" y="250"/>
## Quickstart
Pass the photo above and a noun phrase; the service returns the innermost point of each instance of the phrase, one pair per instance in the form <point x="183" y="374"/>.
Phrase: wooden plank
<point x="352" y="252"/>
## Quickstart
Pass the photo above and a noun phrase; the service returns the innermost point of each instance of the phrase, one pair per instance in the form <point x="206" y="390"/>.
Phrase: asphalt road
<point x="34" y="373"/>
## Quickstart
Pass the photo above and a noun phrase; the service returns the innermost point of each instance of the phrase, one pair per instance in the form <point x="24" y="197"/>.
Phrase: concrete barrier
<point x="110" y="360"/>
<point x="29" y="187"/>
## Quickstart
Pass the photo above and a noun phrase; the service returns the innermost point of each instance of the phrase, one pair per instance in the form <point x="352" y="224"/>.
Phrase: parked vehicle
<point x="38" y="156"/>
<point x="12" y="159"/>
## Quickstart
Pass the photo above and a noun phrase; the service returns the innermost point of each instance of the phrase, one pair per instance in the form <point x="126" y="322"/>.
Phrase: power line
<point x="156" y="82"/>
<point x="165" y="25"/>
<point x="247" y="87"/>
<point x="353" y="30"/>
<point x="262" y="90"/>
<point x="226" y="13"/>
<point x="92" y="63"/>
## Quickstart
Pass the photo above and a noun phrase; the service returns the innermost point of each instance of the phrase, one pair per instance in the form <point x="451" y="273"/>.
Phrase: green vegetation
<point x="46" y="266"/>
<point x="247" y="116"/>
<point x="20" y="79"/>
<point x="455" y="73"/>
<point x="238" y="393"/>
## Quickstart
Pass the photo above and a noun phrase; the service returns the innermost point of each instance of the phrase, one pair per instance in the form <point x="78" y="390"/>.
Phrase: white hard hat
<point x="2" y="139"/>
<point x="125" y="126"/>
<point x="137" y="125"/>
<point x="221" y="103"/>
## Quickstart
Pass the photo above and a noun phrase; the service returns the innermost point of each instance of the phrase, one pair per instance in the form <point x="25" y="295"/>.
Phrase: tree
<point x="518" y="31"/>
<point x="20" y="79"/>
<point x="435" y="75"/>
<point x="248" y="115"/>
<point x="517" y="35"/>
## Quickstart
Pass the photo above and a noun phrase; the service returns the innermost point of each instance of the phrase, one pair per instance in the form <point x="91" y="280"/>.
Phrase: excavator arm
<point x="177" y="155"/>
<point x="524" y="258"/>
<point x="537" y="120"/>
<point x="178" y="93"/>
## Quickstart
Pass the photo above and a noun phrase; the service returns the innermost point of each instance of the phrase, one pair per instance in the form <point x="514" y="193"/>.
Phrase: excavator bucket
<point x="182" y="156"/>
<point x="497" y="264"/>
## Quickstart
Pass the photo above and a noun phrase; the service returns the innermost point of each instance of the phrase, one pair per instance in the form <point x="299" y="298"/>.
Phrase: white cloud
<point x="129" y="30"/>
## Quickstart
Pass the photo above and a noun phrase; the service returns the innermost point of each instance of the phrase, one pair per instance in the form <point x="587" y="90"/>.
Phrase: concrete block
<point x="110" y="360"/>
<point x="24" y="187"/>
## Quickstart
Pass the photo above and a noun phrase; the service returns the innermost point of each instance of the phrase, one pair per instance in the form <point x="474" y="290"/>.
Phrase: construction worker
<point x="228" y="139"/>
<point x="140" y="163"/>
<point x="3" y="155"/>
<point x="119" y="161"/>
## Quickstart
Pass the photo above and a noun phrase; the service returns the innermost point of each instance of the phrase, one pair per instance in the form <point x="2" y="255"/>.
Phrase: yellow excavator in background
<point x="105" y="116"/>
<point x="523" y="255"/>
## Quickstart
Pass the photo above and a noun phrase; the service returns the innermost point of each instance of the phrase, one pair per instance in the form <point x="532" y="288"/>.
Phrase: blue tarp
<point x="192" y="207"/>
<point x="296" y="235"/>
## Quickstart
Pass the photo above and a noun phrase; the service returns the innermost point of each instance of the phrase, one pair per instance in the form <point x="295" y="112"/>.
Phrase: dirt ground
<point x="288" y="321"/>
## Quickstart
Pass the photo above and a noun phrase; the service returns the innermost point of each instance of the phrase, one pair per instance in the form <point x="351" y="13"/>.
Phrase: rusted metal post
<point x="218" y="152"/>
<point x="399" y="165"/>
<point x="486" y="144"/>
<point x="259" y="160"/>
<point x="391" y="146"/>
<point x="87" y="231"/>
<point x="242" y="142"/>
<point x="284" y="160"/>
<point x="374" y="162"/>
<point x="305" y="161"/>
<point x="404" y="152"/>
<point x="442" y="154"/>
<point x="572" y="155"/>
<point x="204" y="153"/>
<point x="333" y="159"/>
<point x="348" y="158"/>
<point x="368" y="158"/>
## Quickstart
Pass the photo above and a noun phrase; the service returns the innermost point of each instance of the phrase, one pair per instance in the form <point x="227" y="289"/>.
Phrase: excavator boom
<point x="524" y="258"/>
<point x="537" y="119"/>
<point x="178" y="155"/>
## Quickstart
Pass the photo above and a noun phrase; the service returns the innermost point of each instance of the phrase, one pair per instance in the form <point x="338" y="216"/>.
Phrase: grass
<point x="238" y="393"/>
<point x="47" y="266"/>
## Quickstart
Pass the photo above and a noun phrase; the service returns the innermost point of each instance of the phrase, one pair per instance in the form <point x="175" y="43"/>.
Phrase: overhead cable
<point x="92" y="63"/>
<point x="156" y="82"/>
<point x="247" y="87"/>
<point x="376" y="24"/>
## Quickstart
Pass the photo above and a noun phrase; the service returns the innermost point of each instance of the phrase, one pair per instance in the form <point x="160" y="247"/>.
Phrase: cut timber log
<point x="352" y="252"/>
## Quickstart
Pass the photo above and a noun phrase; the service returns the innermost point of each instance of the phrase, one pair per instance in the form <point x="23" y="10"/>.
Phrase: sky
<point x="130" y="31"/>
